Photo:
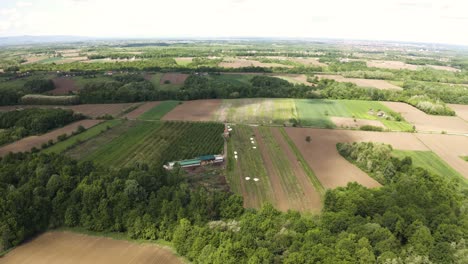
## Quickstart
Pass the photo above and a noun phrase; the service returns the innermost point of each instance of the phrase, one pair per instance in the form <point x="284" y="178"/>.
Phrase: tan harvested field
<point x="141" y="110"/>
<point x="348" y="122"/>
<point x="64" y="86"/>
<point x="26" y="144"/>
<point x="429" y="123"/>
<point x="72" y="248"/>
<point x="396" y="65"/>
<point x="34" y="59"/>
<point x="183" y="60"/>
<point x="329" y="166"/>
<point x="91" y="110"/>
<point x="460" y="110"/>
<point x="399" y="65"/>
<point x="198" y="110"/>
<point x="174" y="78"/>
<point x="379" y="84"/>
<point x="450" y="148"/>
<point x="240" y="63"/>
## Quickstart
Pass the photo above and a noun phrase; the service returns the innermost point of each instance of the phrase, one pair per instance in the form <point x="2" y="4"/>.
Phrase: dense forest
<point x="18" y="124"/>
<point x="415" y="217"/>
<point x="11" y="95"/>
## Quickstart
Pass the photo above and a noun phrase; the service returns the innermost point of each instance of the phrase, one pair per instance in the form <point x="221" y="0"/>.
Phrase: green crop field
<point x="157" y="112"/>
<point x="156" y="142"/>
<point x="86" y="135"/>
<point x="316" y="112"/>
<point x="430" y="161"/>
<point x="248" y="164"/>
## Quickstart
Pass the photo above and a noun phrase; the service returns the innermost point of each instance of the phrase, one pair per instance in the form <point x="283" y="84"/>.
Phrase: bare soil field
<point x="91" y="110"/>
<point x="72" y="248"/>
<point x="174" y="78"/>
<point x="396" y="65"/>
<point x="186" y="60"/>
<point x="141" y="110"/>
<point x="240" y="63"/>
<point x="399" y="65"/>
<point x="450" y="148"/>
<point x="64" y="86"/>
<point x="330" y="167"/>
<point x="460" y="110"/>
<point x="348" y="122"/>
<point x="197" y="110"/>
<point x="34" y="59"/>
<point x="429" y="123"/>
<point x="26" y="144"/>
<point x="379" y="84"/>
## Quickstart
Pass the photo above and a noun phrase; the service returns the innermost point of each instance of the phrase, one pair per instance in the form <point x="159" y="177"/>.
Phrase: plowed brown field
<point x="460" y="110"/>
<point x="72" y="248"/>
<point x="174" y="78"/>
<point x="329" y="166"/>
<point x="198" y="110"/>
<point x="348" y="122"/>
<point x="26" y="144"/>
<point x="64" y="86"/>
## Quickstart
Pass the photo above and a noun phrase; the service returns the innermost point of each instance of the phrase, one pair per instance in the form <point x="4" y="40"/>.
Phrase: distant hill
<point x="24" y="40"/>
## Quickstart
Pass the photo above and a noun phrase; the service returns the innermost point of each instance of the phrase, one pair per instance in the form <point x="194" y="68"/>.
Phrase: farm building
<point x="200" y="161"/>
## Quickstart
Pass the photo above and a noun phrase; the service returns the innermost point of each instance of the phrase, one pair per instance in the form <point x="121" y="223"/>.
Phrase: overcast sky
<point x="443" y="21"/>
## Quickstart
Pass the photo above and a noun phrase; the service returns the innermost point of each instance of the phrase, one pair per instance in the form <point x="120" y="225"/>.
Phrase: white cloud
<point x="23" y="4"/>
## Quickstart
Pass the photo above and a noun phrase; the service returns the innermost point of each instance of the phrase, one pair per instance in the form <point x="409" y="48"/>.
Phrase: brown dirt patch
<point x="443" y="68"/>
<point x="310" y="199"/>
<point x="174" y="78"/>
<point x="26" y="144"/>
<point x="449" y="148"/>
<point x="379" y="84"/>
<point x="308" y="61"/>
<point x="460" y="110"/>
<point x="141" y="110"/>
<point x="72" y="248"/>
<point x="198" y="110"/>
<point x="429" y="123"/>
<point x="64" y="86"/>
<point x="329" y="166"/>
<point x="91" y="110"/>
<point x="347" y="122"/>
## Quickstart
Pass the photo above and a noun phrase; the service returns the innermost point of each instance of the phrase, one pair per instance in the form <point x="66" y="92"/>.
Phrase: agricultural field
<point x="238" y="62"/>
<point x="198" y="110"/>
<point x="64" y="86"/>
<point x="398" y="65"/>
<point x="265" y="169"/>
<point x="158" y="111"/>
<point x="430" y="161"/>
<point x="175" y="80"/>
<point x="379" y="84"/>
<point x="330" y="167"/>
<point x="460" y="110"/>
<point x="62" y="146"/>
<point x="151" y="142"/>
<point x="26" y="144"/>
<point x="429" y="123"/>
<point x="73" y="248"/>
<point x="140" y="110"/>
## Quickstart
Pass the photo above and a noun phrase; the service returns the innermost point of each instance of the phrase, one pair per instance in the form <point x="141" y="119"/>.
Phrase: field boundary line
<point x="313" y="178"/>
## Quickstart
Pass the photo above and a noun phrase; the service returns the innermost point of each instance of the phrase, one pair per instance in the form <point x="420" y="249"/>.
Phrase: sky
<point x="439" y="21"/>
